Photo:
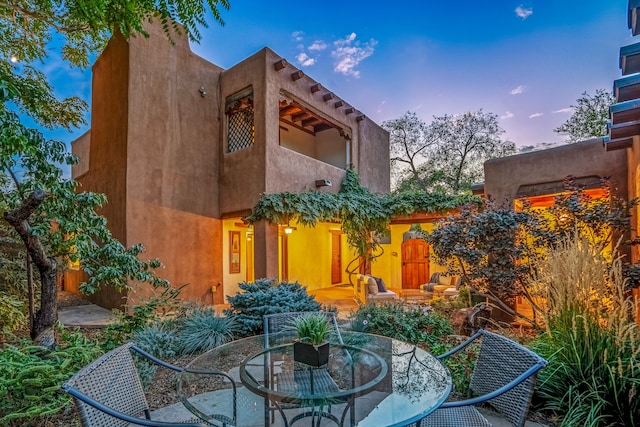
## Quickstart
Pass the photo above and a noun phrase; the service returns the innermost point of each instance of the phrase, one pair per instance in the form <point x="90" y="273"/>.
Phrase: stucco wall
<point x="505" y="175"/>
<point x="373" y="157"/>
<point x="242" y="172"/>
<point x="104" y="149"/>
<point x="172" y="166"/>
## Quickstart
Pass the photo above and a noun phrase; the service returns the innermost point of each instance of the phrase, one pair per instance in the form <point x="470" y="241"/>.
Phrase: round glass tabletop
<point x="370" y="380"/>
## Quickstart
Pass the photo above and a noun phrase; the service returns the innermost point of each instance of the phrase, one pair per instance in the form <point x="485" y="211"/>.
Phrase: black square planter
<point x="311" y="355"/>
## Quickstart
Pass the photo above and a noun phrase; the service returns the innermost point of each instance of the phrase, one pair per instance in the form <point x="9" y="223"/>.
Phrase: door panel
<point x="336" y="259"/>
<point x="415" y="263"/>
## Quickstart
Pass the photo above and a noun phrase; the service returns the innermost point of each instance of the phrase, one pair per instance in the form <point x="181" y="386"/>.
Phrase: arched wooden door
<point x="415" y="263"/>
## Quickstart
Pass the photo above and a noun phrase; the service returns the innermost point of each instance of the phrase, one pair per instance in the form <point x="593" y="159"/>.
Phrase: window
<point x="239" y="112"/>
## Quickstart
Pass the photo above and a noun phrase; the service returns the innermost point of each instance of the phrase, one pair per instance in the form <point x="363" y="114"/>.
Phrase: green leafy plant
<point x="312" y="328"/>
<point x="265" y="296"/>
<point x="364" y="215"/>
<point x="407" y="323"/>
<point x="11" y="314"/>
<point x="31" y="376"/>
<point x="141" y="316"/>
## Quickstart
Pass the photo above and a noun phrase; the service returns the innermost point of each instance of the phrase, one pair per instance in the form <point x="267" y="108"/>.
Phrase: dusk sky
<point x="526" y="62"/>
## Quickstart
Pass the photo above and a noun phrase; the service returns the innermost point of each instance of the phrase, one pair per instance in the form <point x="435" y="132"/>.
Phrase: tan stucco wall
<point x="105" y="166"/>
<point x="374" y="157"/>
<point x="172" y="184"/>
<point x="505" y="175"/>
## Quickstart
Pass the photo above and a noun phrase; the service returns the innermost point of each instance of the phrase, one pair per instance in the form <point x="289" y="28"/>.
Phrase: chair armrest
<point x="505" y="388"/>
<point x="195" y="372"/>
<point x="117" y="414"/>
<point x="461" y="346"/>
<point x="155" y="359"/>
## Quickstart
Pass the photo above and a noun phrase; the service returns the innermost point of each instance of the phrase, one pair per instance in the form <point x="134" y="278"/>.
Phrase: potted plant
<point x="311" y="347"/>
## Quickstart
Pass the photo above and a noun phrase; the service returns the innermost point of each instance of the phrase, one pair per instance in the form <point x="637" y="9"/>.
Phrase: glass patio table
<point x="370" y="380"/>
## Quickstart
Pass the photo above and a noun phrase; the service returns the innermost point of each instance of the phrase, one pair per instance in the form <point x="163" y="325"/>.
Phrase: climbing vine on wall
<point x="364" y="215"/>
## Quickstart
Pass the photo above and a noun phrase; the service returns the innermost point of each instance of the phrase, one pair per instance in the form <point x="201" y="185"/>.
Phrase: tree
<point x="448" y="154"/>
<point x="464" y="143"/>
<point x="589" y="118"/>
<point x="409" y="142"/>
<point x="43" y="208"/>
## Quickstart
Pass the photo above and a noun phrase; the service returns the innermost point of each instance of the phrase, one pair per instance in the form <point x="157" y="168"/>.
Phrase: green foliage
<point x="407" y="323"/>
<point x="461" y="364"/>
<point x="589" y="118"/>
<point x="141" y="316"/>
<point x="264" y="296"/>
<point x="591" y="342"/>
<point x="313" y="328"/>
<point x="201" y="330"/>
<point x="158" y="340"/>
<point x="30" y="164"/>
<point x="363" y="215"/>
<point x="446" y="156"/>
<point x="11" y="314"/>
<point x="31" y="376"/>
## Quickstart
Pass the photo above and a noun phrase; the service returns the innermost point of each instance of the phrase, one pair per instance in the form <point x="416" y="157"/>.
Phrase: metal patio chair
<point x="504" y="377"/>
<point x="278" y="323"/>
<point x="108" y="392"/>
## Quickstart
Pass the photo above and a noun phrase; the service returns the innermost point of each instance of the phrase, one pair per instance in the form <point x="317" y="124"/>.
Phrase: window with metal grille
<point x="239" y="111"/>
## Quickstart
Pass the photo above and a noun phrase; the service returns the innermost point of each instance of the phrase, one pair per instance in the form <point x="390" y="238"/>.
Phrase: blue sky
<point x="527" y="62"/>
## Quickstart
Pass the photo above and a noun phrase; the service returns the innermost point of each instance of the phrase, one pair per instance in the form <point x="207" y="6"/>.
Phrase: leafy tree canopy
<point x="589" y="118"/>
<point x="38" y="202"/>
<point x="448" y="154"/>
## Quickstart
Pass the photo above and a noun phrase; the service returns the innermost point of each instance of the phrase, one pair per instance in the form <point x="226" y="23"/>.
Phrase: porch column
<point x="265" y="246"/>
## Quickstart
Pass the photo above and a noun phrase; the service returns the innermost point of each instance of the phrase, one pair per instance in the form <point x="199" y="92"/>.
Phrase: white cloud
<point x="518" y="90"/>
<point x="534" y="115"/>
<point x="349" y="53"/>
<point x="297" y="35"/>
<point x="524" y="12"/>
<point x="564" y="110"/>
<point x="379" y="110"/>
<point x="305" y="60"/>
<point x="318" y="45"/>
<point x="507" y="115"/>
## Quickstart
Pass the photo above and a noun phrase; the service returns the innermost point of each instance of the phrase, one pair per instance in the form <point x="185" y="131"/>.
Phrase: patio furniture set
<point x="369" y="380"/>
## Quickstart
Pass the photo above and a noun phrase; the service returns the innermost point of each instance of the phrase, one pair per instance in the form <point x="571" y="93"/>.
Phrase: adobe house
<point x="183" y="149"/>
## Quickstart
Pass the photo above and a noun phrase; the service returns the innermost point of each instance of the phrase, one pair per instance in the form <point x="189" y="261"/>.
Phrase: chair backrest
<point x="500" y="361"/>
<point x="280" y="322"/>
<point x="113" y="381"/>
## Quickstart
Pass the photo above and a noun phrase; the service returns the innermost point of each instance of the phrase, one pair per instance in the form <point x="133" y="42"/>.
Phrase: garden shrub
<point x="264" y="296"/>
<point x="12" y="315"/>
<point x="158" y="340"/>
<point x="31" y="376"/>
<point x="403" y="322"/>
<point x="201" y="330"/>
<point x="591" y="341"/>
<point x="141" y="316"/>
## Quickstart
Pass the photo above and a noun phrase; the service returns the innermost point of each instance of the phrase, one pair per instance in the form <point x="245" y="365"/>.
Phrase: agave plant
<point x="312" y="327"/>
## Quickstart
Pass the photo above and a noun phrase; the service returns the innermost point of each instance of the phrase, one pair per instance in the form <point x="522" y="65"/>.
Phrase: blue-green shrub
<point x="201" y="330"/>
<point x="264" y="296"/>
